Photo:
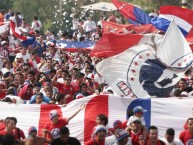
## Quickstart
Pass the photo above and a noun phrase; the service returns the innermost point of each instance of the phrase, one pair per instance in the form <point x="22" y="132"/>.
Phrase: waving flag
<point x="73" y="46"/>
<point x="119" y="28"/>
<point x="112" y="43"/>
<point x="177" y="47"/>
<point x="135" y="15"/>
<point x="137" y="72"/>
<point x="3" y="27"/>
<point x="26" y="41"/>
<point x="113" y="107"/>
<point x="181" y="16"/>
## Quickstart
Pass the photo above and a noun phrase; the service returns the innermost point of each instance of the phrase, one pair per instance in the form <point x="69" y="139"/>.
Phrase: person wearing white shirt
<point x="89" y="25"/>
<point x="36" y="24"/>
<point x="170" y="138"/>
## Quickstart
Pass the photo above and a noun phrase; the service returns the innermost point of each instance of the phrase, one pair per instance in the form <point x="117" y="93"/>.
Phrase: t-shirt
<point x="94" y="142"/>
<point x="71" y="141"/>
<point x="176" y="141"/>
<point x="4" y="132"/>
<point x="55" y="128"/>
<point x="136" y="137"/>
<point x="186" y="137"/>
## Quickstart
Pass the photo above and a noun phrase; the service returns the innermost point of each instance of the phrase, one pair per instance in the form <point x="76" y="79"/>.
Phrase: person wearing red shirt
<point x="18" y="133"/>
<point x="9" y="126"/>
<point x="100" y="133"/>
<point x="153" y="137"/>
<point x="54" y="126"/>
<point x="136" y="132"/>
<point x="2" y="92"/>
<point x="186" y="136"/>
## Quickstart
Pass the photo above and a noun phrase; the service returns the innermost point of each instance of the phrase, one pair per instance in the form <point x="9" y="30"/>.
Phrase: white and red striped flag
<point x="162" y="112"/>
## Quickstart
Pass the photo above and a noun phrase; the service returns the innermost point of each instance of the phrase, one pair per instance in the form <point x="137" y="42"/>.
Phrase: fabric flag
<point x="177" y="47"/>
<point x="174" y="113"/>
<point x="3" y="27"/>
<point x="137" y="72"/>
<point x="26" y="41"/>
<point x="119" y="28"/>
<point x="135" y="15"/>
<point x="113" y="43"/>
<point x="181" y="16"/>
<point x="73" y="46"/>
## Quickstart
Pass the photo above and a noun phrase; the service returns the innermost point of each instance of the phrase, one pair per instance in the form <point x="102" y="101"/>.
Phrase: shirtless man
<point x="33" y="139"/>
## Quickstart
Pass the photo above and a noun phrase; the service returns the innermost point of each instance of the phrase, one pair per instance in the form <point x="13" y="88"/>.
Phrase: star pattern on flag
<point x="179" y="64"/>
<point x="132" y="79"/>
<point x="133" y="71"/>
<point x="136" y="63"/>
<point x="148" y="54"/>
<point x="140" y="57"/>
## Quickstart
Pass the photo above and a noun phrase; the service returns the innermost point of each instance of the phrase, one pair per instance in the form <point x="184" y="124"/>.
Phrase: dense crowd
<point x="43" y="73"/>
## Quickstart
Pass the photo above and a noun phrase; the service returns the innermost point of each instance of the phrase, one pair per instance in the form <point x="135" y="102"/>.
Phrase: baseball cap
<point x="134" y="119"/>
<point x="100" y="128"/>
<point x="184" y="93"/>
<point x="139" y="109"/>
<point x="4" y="42"/>
<point x="117" y="124"/>
<point x="32" y="128"/>
<point x="121" y="134"/>
<point x="53" y="113"/>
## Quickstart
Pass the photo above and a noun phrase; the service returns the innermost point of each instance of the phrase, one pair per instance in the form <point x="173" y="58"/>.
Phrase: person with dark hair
<point x="9" y="126"/>
<point x="79" y="78"/>
<point x="36" y="24"/>
<point x="60" y="99"/>
<point x="101" y="119"/>
<point x="83" y="91"/>
<point x="153" y="137"/>
<point x="65" y="139"/>
<point x="186" y="136"/>
<point x="11" y="94"/>
<point x="26" y="92"/>
<point x="18" y="133"/>
<point x="170" y="138"/>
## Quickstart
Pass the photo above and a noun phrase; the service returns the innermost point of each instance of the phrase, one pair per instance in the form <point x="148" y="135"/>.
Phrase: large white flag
<point x="137" y="72"/>
<point x="161" y="112"/>
<point x="174" y="50"/>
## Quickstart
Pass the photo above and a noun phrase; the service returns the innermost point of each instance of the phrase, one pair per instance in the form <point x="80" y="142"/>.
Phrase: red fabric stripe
<point x="112" y="44"/>
<point x="12" y="26"/>
<point x="125" y="9"/>
<point x="182" y="13"/>
<point x="97" y="105"/>
<point x="44" y="115"/>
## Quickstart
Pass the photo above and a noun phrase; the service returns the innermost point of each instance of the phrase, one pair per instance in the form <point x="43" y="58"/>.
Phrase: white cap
<point x="4" y="42"/>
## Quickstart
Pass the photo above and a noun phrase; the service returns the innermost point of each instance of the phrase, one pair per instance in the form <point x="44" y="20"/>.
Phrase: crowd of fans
<point x="42" y="73"/>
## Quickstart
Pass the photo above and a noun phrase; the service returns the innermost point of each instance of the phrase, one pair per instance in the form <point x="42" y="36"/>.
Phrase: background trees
<point x="57" y="14"/>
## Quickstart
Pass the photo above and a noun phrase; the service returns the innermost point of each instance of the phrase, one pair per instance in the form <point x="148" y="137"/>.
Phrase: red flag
<point x="113" y="43"/>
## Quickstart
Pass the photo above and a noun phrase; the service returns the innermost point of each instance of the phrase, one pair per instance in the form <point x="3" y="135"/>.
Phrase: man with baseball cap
<point x="117" y="126"/>
<point x="138" y="113"/>
<point x="33" y="139"/>
<point x="56" y="123"/>
<point x="136" y="132"/>
<point x="100" y="135"/>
